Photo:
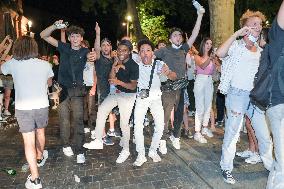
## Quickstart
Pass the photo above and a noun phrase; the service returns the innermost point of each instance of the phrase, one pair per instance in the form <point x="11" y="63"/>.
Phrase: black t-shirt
<point x="103" y="67"/>
<point x="68" y="56"/>
<point x="131" y="72"/>
<point x="174" y="58"/>
<point x="276" y="41"/>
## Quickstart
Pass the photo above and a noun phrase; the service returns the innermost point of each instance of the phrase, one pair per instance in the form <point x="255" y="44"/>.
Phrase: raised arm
<point x="46" y="34"/>
<point x="222" y="51"/>
<point x="98" y="40"/>
<point x="280" y="16"/>
<point x="196" y="28"/>
<point x="63" y="35"/>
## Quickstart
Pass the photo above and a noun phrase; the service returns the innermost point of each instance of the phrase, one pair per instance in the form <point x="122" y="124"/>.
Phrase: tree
<point x="221" y="20"/>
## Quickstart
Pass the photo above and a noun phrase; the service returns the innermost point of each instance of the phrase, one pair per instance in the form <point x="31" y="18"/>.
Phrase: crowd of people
<point x="169" y="81"/>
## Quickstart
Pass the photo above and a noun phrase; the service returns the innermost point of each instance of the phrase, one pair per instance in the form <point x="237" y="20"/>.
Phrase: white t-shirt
<point x="88" y="74"/>
<point x="190" y="66"/>
<point x="144" y="78"/>
<point x="30" y="82"/>
<point x="245" y="70"/>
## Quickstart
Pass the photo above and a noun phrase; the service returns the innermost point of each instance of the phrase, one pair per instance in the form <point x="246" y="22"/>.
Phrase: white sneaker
<point x="199" y="138"/>
<point x="123" y="155"/>
<point x="176" y="143"/>
<point x="254" y="159"/>
<point x="68" y="151"/>
<point x="155" y="157"/>
<point x="36" y="184"/>
<point x="245" y="154"/>
<point x="94" y="145"/>
<point x="81" y="158"/>
<point x="41" y="162"/>
<point x="172" y="137"/>
<point x="93" y="135"/>
<point x="207" y="132"/>
<point x="7" y="113"/>
<point x="141" y="159"/>
<point x="163" y="147"/>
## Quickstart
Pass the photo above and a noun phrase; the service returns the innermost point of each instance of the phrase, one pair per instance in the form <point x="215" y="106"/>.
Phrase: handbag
<point x="170" y="85"/>
<point x="268" y="72"/>
<point x="144" y="93"/>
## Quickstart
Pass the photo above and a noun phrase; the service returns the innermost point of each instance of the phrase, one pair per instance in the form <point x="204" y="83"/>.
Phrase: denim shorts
<point x="30" y="120"/>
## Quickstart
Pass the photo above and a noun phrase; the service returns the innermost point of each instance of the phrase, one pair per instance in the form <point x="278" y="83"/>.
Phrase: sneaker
<point x="176" y="143"/>
<point x="207" y="132"/>
<point x="68" y="151"/>
<point x="107" y="141"/>
<point x="86" y="130"/>
<point x="41" y="162"/>
<point x="254" y="159"/>
<point x="245" y="154"/>
<point x="155" y="157"/>
<point x="187" y="134"/>
<point x="163" y="147"/>
<point x="94" y="145"/>
<point x="81" y="158"/>
<point x="172" y="137"/>
<point x="199" y="138"/>
<point x="228" y="177"/>
<point x="141" y="159"/>
<point x="93" y="135"/>
<point x="123" y="155"/>
<point x="33" y="184"/>
<point x="113" y="134"/>
<point x="7" y="113"/>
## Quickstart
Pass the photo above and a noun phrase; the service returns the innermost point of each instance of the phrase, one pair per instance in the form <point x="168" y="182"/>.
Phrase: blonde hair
<point x="249" y="14"/>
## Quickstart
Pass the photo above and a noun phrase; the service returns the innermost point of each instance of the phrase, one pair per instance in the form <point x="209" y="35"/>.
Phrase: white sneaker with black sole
<point x="228" y="177"/>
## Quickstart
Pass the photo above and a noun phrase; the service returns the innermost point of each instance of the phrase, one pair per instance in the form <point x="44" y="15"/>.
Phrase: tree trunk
<point x="221" y="20"/>
<point x="132" y="10"/>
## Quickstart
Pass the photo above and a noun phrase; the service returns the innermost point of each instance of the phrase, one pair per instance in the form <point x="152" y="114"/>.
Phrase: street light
<point x="128" y="19"/>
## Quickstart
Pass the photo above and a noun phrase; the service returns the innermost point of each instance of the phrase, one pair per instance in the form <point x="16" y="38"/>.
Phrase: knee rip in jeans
<point x="235" y="114"/>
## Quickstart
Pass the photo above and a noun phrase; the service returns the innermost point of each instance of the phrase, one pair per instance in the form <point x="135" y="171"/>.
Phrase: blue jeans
<point x="276" y="175"/>
<point x="237" y="103"/>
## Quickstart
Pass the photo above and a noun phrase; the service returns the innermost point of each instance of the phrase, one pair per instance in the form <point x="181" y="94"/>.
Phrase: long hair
<point x="202" y="45"/>
<point x="25" y="48"/>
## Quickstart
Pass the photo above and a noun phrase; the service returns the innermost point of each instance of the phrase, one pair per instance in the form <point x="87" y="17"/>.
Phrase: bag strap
<point x="152" y="73"/>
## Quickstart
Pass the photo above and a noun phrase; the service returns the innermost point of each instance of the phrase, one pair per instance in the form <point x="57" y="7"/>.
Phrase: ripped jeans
<point x="237" y="104"/>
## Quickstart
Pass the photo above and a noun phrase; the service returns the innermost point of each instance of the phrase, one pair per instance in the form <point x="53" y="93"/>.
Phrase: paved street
<point x="194" y="166"/>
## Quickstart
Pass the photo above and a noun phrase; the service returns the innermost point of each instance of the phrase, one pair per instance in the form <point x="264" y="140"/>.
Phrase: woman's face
<point x="255" y="23"/>
<point x="208" y="45"/>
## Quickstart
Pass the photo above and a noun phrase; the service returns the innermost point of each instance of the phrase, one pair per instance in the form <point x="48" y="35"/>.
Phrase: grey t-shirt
<point x="276" y="41"/>
<point x="103" y="67"/>
<point x="174" y="58"/>
<point x="68" y="56"/>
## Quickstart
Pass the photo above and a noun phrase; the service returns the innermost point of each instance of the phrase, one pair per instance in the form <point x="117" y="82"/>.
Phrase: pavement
<point x="193" y="166"/>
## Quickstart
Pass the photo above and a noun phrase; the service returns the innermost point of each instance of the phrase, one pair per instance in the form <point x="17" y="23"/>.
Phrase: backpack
<point x="268" y="72"/>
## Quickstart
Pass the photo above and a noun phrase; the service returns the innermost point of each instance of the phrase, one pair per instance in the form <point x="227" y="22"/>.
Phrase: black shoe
<point x="187" y="134"/>
<point x="228" y="177"/>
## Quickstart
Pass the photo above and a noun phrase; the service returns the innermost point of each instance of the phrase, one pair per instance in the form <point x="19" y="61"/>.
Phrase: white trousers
<point x="156" y="108"/>
<point x="203" y="93"/>
<point x="125" y="103"/>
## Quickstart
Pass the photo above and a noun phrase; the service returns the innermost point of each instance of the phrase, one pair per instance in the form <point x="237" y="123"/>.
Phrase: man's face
<point x="255" y="23"/>
<point x="123" y="52"/>
<point x="176" y="38"/>
<point x="161" y="45"/>
<point x="106" y="48"/>
<point x="75" y="40"/>
<point x="146" y="53"/>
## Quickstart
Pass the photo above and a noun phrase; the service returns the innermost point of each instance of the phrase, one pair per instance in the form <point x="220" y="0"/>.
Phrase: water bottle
<point x="9" y="171"/>
<point x="196" y="5"/>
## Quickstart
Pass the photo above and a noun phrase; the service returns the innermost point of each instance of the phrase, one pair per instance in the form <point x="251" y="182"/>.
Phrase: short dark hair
<point x="106" y="40"/>
<point x="202" y="44"/>
<point x="126" y="43"/>
<point x="161" y="41"/>
<point x="145" y="41"/>
<point x="75" y="30"/>
<point x="25" y="47"/>
<point x="173" y="30"/>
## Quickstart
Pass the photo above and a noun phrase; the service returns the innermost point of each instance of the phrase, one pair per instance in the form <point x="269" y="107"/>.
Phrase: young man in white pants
<point x="149" y="70"/>
<point x="124" y="74"/>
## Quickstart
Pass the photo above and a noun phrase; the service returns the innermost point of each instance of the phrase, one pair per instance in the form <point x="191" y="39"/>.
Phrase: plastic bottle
<point x="196" y="5"/>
